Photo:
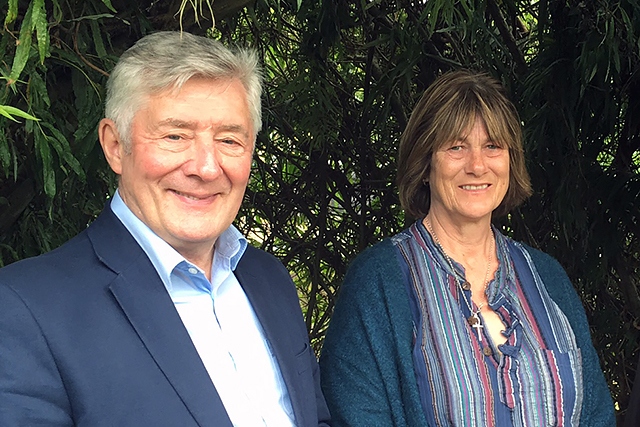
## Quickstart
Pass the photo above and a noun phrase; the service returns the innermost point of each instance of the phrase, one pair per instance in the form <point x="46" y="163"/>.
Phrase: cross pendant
<point x="476" y="323"/>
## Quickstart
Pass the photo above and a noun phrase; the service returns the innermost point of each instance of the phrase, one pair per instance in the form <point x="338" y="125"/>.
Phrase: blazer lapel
<point x="258" y="278"/>
<point x="144" y="300"/>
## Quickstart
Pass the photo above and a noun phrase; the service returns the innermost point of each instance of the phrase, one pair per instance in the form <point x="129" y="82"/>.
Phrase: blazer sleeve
<point x="31" y="389"/>
<point x="597" y="406"/>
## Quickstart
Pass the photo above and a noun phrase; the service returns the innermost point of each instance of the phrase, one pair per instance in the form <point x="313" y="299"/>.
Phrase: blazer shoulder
<point x="260" y="262"/>
<point x="256" y="254"/>
<point x="94" y="255"/>
<point x="63" y="261"/>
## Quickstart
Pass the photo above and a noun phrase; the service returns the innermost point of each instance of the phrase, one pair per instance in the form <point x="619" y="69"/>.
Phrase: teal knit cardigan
<point x="366" y="362"/>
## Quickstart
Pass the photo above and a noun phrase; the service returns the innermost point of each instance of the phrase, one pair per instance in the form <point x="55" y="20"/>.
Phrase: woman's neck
<point x="465" y="242"/>
<point x="473" y="246"/>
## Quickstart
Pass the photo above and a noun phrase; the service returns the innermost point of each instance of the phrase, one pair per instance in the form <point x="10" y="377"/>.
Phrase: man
<point x="159" y="314"/>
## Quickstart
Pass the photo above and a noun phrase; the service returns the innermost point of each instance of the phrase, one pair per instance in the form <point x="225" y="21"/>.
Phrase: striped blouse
<point x="535" y="379"/>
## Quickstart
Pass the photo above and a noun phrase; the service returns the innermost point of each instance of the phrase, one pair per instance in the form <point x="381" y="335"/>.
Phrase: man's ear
<point x="112" y="145"/>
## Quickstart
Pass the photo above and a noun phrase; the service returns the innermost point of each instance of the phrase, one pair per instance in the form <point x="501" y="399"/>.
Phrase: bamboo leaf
<point x="436" y="5"/>
<point x="9" y="112"/>
<point x="109" y="6"/>
<point x="39" y="20"/>
<point x="57" y="11"/>
<point x="616" y="58"/>
<point x="97" y="39"/>
<point x="12" y="13"/>
<point x="94" y="17"/>
<point x="43" y="151"/>
<point x="7" y="115"/>
<point x="63" y="148"/>
<point x="38" y="92"/>
<point x="23" y="46"/>
<point x="5" y="153"/>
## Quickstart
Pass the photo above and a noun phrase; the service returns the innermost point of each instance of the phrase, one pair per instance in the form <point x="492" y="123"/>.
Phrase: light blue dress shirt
<point x="221" y="323"/>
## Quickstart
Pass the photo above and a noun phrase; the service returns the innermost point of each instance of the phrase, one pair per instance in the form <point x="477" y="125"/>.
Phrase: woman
<point x="451" y="323"/>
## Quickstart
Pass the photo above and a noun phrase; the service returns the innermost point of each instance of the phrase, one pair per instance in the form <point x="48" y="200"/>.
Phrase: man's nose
<point x="205" y="161"/>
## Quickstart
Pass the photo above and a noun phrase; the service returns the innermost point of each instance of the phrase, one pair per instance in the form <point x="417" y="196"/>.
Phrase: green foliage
<point x="43" y="161"/>
<point x="11" y="113"/>
<point x="342" y="78"/>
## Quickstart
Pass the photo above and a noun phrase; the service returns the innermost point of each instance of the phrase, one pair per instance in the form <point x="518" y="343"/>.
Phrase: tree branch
<point x="500" y="22"/>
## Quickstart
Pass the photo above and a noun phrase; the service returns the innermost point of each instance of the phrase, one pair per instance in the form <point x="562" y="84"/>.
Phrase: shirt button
<point x="193" y="270"/>
<point x="487" y="351"/>
<point x="466" y="286"/>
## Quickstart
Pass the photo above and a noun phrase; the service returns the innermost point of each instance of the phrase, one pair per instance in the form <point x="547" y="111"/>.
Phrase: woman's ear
<point x="112" y="145"/>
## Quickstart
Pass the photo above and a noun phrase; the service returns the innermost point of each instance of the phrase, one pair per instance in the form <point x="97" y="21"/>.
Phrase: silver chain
<point x="474" y="320"/>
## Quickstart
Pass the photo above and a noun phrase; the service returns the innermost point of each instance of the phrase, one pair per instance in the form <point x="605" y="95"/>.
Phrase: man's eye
<point x="232" y="146"/>
<point x="174" y="137"/>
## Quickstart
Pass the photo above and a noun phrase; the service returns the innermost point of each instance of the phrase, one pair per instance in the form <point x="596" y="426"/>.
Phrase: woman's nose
<point x="477" y="162"/>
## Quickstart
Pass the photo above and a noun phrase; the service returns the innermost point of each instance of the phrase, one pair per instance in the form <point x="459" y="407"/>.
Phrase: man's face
<point x="188" y="164"/>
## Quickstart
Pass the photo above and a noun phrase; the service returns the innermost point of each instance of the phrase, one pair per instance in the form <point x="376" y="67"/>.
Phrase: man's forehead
<point x="175" y="87"/>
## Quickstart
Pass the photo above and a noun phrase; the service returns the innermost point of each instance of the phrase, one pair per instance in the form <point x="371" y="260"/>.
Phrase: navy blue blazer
<point x="89" y="337"/>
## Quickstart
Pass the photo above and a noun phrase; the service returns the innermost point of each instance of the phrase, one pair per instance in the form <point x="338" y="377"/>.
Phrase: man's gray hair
<point x="166" y="60"/>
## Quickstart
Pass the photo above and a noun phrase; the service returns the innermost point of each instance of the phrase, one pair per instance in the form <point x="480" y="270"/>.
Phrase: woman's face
<point x="469" y="176"/>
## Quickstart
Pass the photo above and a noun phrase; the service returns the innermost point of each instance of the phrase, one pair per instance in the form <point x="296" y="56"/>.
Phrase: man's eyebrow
<point x="183" y="124"/>
<point x="235" y="128"/>
<point x="186" y="124"/>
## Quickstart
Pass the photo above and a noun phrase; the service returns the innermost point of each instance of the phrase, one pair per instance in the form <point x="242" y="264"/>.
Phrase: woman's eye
<point x="494" y="150"/>
<point x="494" y="147"/>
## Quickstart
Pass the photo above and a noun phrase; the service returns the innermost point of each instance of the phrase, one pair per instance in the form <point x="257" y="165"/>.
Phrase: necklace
<point x="475" y="321"/>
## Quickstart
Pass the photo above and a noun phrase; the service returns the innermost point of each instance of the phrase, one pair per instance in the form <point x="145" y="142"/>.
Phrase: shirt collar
<point x="231" y="244"/>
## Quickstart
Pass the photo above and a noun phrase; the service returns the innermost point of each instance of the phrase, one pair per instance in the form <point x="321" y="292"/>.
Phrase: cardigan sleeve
<point x="597" y="406"/>
<point x="366" y="366"/>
